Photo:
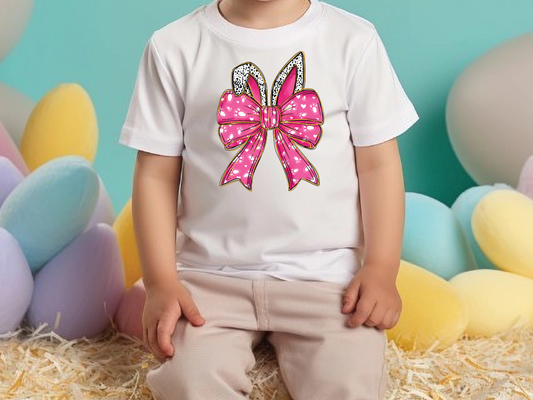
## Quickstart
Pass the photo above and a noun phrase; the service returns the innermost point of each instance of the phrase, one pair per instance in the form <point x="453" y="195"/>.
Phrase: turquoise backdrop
<point x="98" y="44"/>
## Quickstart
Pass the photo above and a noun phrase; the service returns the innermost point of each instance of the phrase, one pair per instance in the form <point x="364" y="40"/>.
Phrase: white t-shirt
<point x="266" y="121"/>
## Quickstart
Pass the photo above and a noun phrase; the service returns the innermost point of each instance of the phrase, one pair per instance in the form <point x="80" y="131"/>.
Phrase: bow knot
<point x="270" y="117"/>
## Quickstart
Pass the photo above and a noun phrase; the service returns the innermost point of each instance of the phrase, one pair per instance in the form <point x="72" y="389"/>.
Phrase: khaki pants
<point x="319" y="357"/>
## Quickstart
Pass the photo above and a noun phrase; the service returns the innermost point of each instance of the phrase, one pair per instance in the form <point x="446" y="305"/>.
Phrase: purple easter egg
<point x="10" y="177"/>
<point x="9" y="149"/>
<point x="16" y="283"/>
<point x="130" y="310"/>
<point x="78" y="291"/>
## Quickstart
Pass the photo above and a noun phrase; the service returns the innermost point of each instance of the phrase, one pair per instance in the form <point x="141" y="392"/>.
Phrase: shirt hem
<point x="132" y="138"/>
<point x="388" y="130"/>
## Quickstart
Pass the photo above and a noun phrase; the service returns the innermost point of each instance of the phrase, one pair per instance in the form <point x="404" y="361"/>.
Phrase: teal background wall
<point x="98" y="44"/>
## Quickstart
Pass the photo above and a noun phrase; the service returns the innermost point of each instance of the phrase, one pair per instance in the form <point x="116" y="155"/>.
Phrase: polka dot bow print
<point x="295" y="116"/>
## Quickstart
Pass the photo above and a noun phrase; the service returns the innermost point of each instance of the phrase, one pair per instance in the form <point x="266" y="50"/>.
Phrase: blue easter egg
<point x="50" y="207"/>
<point x="463" y="207"/>
<point x="433" y="237"/>
<point x="16" y="283"/>
<point x="10" y="177"/>
<point x="78" y="291"/>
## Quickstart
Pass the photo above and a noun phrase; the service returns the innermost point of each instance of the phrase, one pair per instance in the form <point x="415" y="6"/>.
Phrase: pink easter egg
<point x="129" y="313"/>
<point x="9" y="149"/>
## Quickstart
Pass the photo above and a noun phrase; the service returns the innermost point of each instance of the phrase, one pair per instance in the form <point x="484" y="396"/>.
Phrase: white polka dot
<point x="222" y="113"/>
<point x="241" y="114"/>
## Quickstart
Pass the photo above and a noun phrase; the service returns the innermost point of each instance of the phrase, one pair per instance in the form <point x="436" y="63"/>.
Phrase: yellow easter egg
<point x="62" y="123"/>
<point x="431" y="310"/>
<point x="502" y="223"/>
<point x="123" y="227"/>
<point x="495" y="300"/>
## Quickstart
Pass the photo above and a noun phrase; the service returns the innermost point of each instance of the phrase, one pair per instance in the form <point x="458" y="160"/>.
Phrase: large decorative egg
<point x="130" y="310"/>
<point x="525" y="184"/>
<point x="433" y="237"/>
<point x="9" y="149"/>
<point x="50" y="207"/>
<point x="103" y="212"/>
<point x="15" y="109"/>
<point x="123" y="227"/>
<point x="14" y="16"/>
<point x="63" y="123"/>
<point x="463" y="208"/>
<point x="431" y="310"/>
<point x="16" y="283"/>
<point x="502" y="223"/>
<point x="496" y="301"/>
<point x="77" y="293"/>
<point x="10" y="177"/>
<point x="489" y="121"/>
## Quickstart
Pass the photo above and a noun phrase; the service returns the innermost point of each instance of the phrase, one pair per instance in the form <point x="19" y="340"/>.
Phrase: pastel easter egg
<point x="14" y="16"/>
<point x="130" y="310"/>
<point x="496" y="301"/>
<point x="431" y="310"/>
<point x="502" y="223"/>
<point x="16" y="283"/>
<point x="9" y="149"/>
<point x="10" y="177"/>
<point x="123" y="227"/>
<point x="463" y="208"/>
<point x="103" y="212"/>
<point x="15" y="109"/>
<point x="50" y="207"/>
<point x="525" y="183"/>
<point x="78" y="291"/>
<point x="433" y="237"/>
<point x="63" y="123"/>
<point x="488" y="125"/>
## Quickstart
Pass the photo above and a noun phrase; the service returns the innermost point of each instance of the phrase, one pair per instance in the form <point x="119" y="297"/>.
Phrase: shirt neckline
<point x="269" y="37"/>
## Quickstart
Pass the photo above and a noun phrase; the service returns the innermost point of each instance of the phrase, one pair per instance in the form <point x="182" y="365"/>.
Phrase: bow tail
<point x="243" y="165"/>
<point x="296" y="166"/>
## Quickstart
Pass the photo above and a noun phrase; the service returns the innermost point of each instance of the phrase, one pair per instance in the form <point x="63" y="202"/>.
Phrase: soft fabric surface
<point x="35" y="365"/>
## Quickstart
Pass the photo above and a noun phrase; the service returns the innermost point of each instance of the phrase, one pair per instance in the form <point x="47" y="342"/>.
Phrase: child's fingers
<point x="363" y="310"/>
<point x="189" y="310"/>
<point x="376" y="316"/>
<point x="165" y="328"/>
<point x="388" y="320"/>
<point x="152" y="341"/>
<point x="350" y="297"/>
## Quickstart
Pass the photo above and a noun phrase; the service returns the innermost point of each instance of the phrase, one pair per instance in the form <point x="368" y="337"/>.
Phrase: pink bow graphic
<point x="245" y="118"/>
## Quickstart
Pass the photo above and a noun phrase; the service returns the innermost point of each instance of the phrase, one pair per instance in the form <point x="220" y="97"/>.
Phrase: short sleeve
<point x="153" y="122"/>
<point x="378" y="107"/>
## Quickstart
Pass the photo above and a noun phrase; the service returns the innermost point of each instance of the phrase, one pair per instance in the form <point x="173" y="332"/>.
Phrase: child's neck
<point x="261" y="14"/>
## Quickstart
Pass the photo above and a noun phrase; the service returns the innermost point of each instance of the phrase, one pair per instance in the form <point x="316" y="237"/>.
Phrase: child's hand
<point x="373" y="295"/>
<point x="164" y="305"/>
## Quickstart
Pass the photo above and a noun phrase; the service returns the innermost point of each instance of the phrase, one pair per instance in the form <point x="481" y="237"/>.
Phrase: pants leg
<point x="211" y="361"/>
<point x="319" y="357"/>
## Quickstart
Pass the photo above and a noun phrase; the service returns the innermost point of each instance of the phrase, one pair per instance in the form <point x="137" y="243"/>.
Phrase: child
<point x="271" y="125"/>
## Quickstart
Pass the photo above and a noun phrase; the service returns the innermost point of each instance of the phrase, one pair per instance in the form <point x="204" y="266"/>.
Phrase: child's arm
<point x="372" y="294"/>
<point x="154" y="200"/>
